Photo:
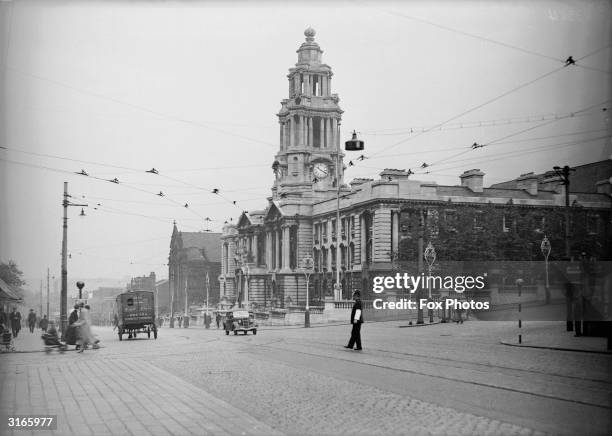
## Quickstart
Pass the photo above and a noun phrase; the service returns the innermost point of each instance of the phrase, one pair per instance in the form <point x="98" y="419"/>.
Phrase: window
<point x="334" y="228"/>
<point x="324" y="231"/>
<point x="505" y="228"/>
<point x="405" y="224"/>
<point x="450" y="220"/>
<point x="333" y="256"/>
<point x="593" y="224"/>
<point x="324" y="259"/>
<point x="353" y="227"/>
<point x="343" y="233"/>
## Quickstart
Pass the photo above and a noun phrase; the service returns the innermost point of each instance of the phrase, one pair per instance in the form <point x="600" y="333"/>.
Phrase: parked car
<point x="239" y="321"/>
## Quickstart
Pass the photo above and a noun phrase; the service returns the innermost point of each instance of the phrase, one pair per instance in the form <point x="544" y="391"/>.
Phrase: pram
<point x="52" y="342"/>
<point x="7" y="341"/>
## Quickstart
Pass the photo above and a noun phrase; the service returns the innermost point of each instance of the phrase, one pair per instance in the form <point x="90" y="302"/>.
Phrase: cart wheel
<point x="245" y="332"/>
<point x="227" y="332"/>
<point x="120" y="336"/>
<point x="254" y="331"/>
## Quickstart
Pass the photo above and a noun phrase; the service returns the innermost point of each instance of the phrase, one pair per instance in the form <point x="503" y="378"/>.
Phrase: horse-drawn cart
<point x="135" y="313"/>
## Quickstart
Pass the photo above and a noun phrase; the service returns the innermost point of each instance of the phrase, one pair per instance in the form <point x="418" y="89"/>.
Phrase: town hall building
<point x="263" y="254"/>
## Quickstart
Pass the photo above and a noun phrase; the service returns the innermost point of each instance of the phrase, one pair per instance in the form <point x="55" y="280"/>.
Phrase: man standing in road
<point x="356" y="321"/>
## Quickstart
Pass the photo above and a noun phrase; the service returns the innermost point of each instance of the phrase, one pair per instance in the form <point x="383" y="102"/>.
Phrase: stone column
<point x="334" y="132"/>
<point x="395" y="234"/>
<point x="256" y="249"/>
<point x="301" y="130"/>
<point x="327" y="132"/>
<point x="322" y="132"/>
<point x="310" y="131"/>
<point x="325" y="85"/>
<point x="291" y="132"/>
<point x="268" y="249"/>
<point x="277" y="239"/>
<point x="282" y="135"/>
<point x="285" y="246"/>
<point x="362" y="238"/>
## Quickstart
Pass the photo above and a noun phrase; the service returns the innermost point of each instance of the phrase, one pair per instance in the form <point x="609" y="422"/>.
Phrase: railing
<point x="528" y="289"/>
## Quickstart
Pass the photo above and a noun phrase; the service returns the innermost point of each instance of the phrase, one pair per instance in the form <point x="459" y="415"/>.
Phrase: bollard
<point x="519" y="285"/>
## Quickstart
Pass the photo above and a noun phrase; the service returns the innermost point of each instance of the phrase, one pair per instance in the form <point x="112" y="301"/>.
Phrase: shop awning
<point x="6" y="293"/>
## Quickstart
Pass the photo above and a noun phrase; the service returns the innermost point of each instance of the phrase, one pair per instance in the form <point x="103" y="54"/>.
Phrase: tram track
<point x="437" y="376"/>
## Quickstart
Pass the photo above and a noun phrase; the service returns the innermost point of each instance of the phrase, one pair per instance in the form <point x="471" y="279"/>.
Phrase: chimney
<point x="528" y="182"/>
<point x="472" y="179"/>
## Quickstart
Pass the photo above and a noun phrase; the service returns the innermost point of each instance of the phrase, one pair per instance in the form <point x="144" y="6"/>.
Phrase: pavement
<point x="93" y="395"/>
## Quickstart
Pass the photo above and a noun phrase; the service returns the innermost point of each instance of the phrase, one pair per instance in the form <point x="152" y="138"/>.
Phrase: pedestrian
<point x="44" y="323"/>
<point x="3" y="317"/>
<point x="218" y="319"/>
<point x="180" y="321"/>
<point x="356" y="321"/>
<point x="15" y="319"/>
<point x="31" y="320"/>
<point x="71" y="331"/>
<point x="85" y="337"/>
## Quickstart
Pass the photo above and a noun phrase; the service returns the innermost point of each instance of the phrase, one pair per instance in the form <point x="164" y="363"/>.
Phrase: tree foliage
<point x="12" y="276"/>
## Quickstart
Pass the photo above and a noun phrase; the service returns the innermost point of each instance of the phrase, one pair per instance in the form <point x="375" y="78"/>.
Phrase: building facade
<point x="194" y="264"/>
<point x="381" y="221"/>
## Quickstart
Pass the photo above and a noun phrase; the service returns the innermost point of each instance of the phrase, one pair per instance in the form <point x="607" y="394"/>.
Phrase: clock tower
<point x="305" y="165"/>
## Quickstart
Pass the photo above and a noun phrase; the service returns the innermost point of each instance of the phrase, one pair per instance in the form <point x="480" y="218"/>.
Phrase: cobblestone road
<point x="443" y="379"/>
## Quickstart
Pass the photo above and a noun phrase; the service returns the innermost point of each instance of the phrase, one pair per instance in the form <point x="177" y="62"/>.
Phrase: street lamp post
<point x="545" y="247"/>
<point x="307" y="267"/>
<point x="64" y="292"/>
<point x="430" y="258"/>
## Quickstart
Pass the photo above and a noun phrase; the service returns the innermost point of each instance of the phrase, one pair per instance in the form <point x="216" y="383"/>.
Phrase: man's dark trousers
<point x="355" y="336"/>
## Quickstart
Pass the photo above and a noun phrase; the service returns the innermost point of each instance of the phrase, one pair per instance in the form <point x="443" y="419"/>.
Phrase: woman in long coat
<point x="84" y="325"/>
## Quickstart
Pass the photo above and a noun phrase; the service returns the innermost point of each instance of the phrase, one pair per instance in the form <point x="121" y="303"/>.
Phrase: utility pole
<point x="64" y="291"/>
<point x="420" y="265"/>
<point x="564" y="173"/>
<point x="48" y="293"/>
<point x="338" y="289"/>
<point x="41" y="299"/>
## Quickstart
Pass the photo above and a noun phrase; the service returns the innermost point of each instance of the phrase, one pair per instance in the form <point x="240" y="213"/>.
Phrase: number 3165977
<point x="30" y="421"/>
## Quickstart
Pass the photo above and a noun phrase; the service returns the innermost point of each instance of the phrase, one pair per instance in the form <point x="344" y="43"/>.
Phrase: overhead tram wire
<point x="134" y="170"/>
<point x="514" y="153"/>
<point x="472" y="109"/>
<point x="498" y="140"/>
<point x="467" y="125"/>
<point x="462" y="147"/>
<point x="72" y="173"/>
<point x="485" y="103"/>
<point x="518" y="133"/>
<point x="136" y="106"/>
<point x="489" y="40"/>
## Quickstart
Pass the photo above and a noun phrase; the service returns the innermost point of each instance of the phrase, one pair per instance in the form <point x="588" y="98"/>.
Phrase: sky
<point x="192" y="89"/>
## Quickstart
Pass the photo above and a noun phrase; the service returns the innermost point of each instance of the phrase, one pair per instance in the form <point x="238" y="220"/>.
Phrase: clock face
<point x="321" y="170"/>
